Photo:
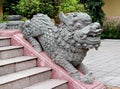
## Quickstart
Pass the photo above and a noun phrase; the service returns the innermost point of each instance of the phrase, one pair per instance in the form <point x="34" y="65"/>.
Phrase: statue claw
<point x="76" y="76"/>
<point x="88" y="78"/>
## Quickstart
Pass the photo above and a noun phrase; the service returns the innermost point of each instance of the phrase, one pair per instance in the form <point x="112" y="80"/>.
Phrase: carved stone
<point x="67" y="44"/>
<point x="13" y="22"/>
<point x="14" y="17"/>
<point x="2" y="26"/>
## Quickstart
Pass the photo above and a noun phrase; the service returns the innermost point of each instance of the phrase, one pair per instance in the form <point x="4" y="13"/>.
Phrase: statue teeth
<point x="84" y="37"/>
<point x="90" y="46"/>
<point x="97" y="45"/>
<point x="84" y="45"/>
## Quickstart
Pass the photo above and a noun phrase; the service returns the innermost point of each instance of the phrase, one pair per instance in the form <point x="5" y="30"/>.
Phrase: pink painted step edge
<point x="9" y="33"/>
<point x="44" y="60"/>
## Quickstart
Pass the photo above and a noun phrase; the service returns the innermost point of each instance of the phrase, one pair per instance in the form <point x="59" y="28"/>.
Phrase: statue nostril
<point x="78" y="25"/>
<point x="97" y="27"/>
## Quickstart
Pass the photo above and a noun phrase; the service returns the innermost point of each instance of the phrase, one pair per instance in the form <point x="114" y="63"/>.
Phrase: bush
<point x="111" y="29"/>
<point x="28" y="8"/>
<point x="71" y="6"/>
<point x="9" y="7"/>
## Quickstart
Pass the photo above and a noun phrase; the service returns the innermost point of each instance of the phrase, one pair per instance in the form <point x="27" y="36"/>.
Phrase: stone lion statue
<point x="67" y="44"/>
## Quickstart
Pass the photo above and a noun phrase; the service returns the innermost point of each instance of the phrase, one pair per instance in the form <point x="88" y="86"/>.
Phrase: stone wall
<point x="111" y="7"/>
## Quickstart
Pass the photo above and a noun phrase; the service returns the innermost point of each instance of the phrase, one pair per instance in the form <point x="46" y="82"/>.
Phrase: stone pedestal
<point x="14" y="22"/>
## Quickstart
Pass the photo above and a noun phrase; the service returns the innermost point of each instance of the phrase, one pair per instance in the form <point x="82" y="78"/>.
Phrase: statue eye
<point x="75" y="21"/>
<point x="74" y="15"/>
<point x="71" y="25"/>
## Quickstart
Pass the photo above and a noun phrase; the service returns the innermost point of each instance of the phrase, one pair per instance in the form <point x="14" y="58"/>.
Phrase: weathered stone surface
<point x="67" y="44"/>
<point x="14" y="17"/>
<point x="13" y="22"/>
<point x="2" y="26"/>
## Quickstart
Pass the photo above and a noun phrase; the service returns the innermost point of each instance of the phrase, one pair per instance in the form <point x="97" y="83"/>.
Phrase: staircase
<point x="18" y="71"/>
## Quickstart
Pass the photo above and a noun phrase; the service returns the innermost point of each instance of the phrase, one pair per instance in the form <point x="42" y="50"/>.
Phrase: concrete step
<point x="5" y="41"/>
<point x="22" y="79"/>
<point x="16" y="64"/>
<point x="50" y="84"/>
<point x="10" y="52"/>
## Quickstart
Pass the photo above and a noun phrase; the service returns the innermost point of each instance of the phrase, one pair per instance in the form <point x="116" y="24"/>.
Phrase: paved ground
<point x="105" y="63"/>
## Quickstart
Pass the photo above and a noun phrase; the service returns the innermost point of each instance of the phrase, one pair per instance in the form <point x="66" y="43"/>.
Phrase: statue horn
<point x="62" y="17"/>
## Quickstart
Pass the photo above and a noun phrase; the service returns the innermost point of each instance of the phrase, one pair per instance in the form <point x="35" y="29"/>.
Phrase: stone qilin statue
<point x="67" y="44"/>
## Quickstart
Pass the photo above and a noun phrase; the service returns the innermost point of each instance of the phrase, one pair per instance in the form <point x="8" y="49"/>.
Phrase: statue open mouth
<point x="93" y="34"/>
<point x="93" y="37"/>
<point x="93" y="40"/>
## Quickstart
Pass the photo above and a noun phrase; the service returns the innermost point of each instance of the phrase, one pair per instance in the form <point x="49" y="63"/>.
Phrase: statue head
<point x="75" y="20"/>
<point x="86" y="33"/>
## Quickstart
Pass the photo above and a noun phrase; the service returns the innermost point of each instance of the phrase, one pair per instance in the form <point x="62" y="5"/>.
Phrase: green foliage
<point x="28" y="8"/>
<point x="111" y="29"/>
<point x="70" y="6"/>
<point x="9" y="6"/>
<point x="52" y="7"/>
<point x="94" y="8"/>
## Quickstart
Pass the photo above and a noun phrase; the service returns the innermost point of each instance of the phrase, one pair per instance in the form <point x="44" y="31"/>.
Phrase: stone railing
<point x="14" y="22"/>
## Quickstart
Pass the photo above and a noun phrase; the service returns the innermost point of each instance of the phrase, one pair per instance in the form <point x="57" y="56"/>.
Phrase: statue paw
<point x="76" y="76"/>
<point x="88" y="78"/>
